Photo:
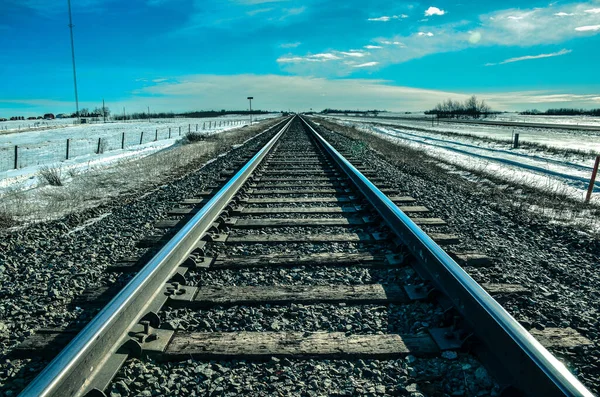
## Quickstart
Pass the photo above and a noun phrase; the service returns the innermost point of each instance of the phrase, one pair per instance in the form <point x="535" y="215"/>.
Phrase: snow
<point x="548" y="171"/>
<point x="512" y="117"/>
<point x="584" y="141"/>
<point x="47" y="147"/>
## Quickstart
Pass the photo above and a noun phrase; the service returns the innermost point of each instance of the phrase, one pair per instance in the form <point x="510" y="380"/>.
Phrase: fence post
<point x="204" y="125"/>
<point x="16" y="157"/>
<point x="141" y="137"/>
<point x="169" y="132"/>
<point x="156" y="135"/>
<point x="99" y="142"/>
<point x="179" y="130"/>
<point x="123" y="141"/>
<point x="196" y="127"/>
<point x="68" y="146"/>
<point x="516" y="142"/>
<point x="592" y="180"/>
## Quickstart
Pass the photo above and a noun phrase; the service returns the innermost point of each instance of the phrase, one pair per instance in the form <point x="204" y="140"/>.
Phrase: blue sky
<point x="298" y="54"/>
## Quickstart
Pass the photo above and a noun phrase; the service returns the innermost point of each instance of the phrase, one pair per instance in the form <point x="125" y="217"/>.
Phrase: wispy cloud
<point x="365" y="65"/>
<point x="434" y="11"/>
<point x="207" y="91"/>
<point x="593" y="11"/>
<point x="530" y="57"/>
<point x="590" y="28"/>
<point x="259" y="11"/>
<point x="192" y="92"/>
<point x="321" y="57"/>
<point x="373" y="47"/>
<point x="355" y="54"/>
<point x="290" y="45"/>
<point x="386" y="18"/>
<point x="511" y="27"/>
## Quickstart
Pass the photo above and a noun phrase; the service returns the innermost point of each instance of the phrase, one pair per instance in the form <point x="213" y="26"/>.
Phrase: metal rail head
<point x="75" y="367"/>
<point x="522" y="361"/>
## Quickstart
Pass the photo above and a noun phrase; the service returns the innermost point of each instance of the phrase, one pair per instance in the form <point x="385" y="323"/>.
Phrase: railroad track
<point x="318" y="232"/>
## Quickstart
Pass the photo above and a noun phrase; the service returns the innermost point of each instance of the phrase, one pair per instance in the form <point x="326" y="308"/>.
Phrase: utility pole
<point x="103" y="111"/>
<point x="73" y="58"/>
<point x="124" y="119"/>
<point x="250" y="98"/>
<point x="148" y="113"/>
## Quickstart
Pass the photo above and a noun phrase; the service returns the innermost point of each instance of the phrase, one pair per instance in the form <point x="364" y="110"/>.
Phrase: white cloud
<point x="529" y="57"/>
<point x="366" y="64"/>
<point x="593" y="11"/>
<point x="386" y="18"/>
<point x="322" y="57"/>
<point x="434" y="11"/>
<point x="219" y="91"/>
<point x="526" y="28"/>
<point x="388" y="42"/>
<point x="355" y="54"/>
<point x="380" y="19"/>
<point x="591" y="28"/>
<point x="372" y="47"/>
<point x="290" y="45"/>
<point x="187" y="93"/>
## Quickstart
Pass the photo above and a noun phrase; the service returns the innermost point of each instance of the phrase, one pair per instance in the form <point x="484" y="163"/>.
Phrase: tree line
<point x="563" y="112"/>
<point x="375" y="112"/>
<point x="470" y="108"/>
<point x="194" y="114"/>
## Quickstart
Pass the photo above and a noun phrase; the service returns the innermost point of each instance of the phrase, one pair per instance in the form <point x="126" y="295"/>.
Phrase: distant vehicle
<point x="48" y="116"/>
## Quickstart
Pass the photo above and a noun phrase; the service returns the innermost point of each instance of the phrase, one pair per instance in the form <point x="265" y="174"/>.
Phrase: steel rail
<point x="522" y="361"/>
<point x="73" y="370"/>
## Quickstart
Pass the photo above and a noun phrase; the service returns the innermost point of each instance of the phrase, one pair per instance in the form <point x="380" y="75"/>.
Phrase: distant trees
<point x="375" y="112"/>
<point x="102" y="111"/>
<point x="200" y="113"/>
<point x="472" y="107"/>
<point x="563" y="112"/>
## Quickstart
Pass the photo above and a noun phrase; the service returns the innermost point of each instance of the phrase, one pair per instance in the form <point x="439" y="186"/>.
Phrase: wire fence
<point x="21" y="156"/>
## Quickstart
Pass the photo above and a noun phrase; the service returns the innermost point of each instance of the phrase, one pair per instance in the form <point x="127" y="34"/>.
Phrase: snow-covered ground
<point x="48" y="147"/>
<point x="513" y="117"/>
<point x="545" y="170"/>
<point x="585" y="141"/>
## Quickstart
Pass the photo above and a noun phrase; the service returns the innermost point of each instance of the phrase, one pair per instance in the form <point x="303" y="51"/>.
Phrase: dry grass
<point x="52" y="175"/>
<point x="130" y="178"/>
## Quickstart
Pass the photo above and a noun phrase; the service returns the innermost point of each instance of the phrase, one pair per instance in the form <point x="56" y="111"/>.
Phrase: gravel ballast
<point x="43" y="267"/>
<point x="557" y="263"/>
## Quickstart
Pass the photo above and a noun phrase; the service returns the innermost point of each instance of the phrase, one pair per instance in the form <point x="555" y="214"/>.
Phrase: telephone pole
<point x="250" y="98"/>
<point x="73" y="58"/>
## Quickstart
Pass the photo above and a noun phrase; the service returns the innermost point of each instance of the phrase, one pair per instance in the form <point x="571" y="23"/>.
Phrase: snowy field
<point x="512" y="117"/>
<point x="48" y="147"/>
<point x="557" y="172"/>
<point x="584" y="141"/>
